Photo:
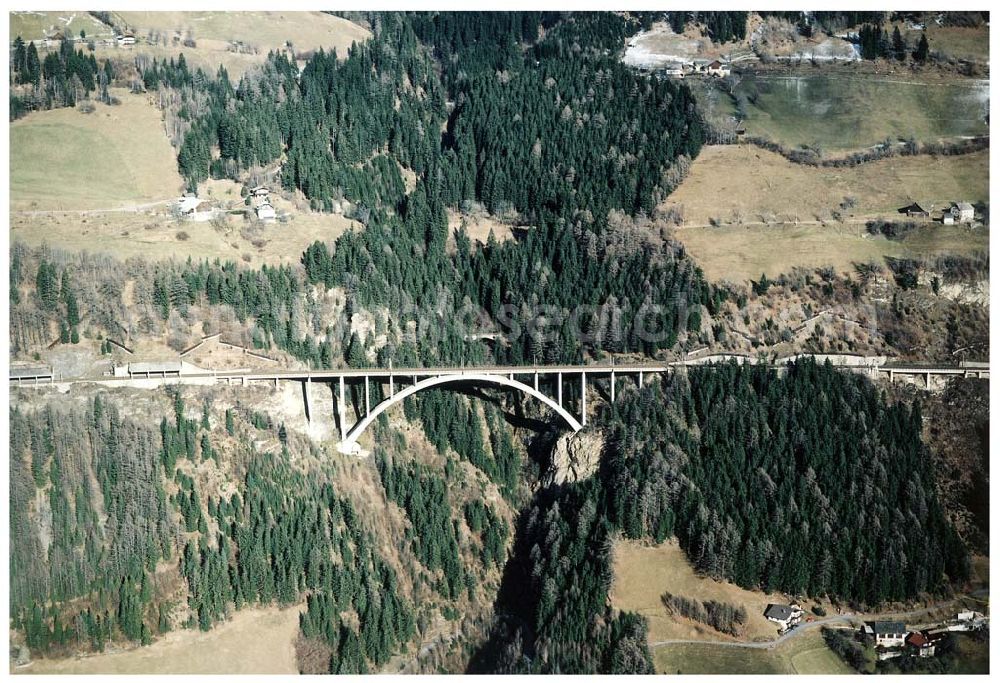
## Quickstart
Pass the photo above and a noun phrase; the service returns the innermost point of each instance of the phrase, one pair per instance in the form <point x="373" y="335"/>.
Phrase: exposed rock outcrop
<point x="574" y="457"/>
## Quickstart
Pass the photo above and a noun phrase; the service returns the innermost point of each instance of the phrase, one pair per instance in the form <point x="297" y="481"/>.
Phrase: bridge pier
<point x="305" y="389"/>
<point x="367" y="401"/>
<point x="583" y="398"/>
<point x="612" y="386"/>
<point x="341" y="413"/>
<point x="559" y="388"/>
<point x="640" y="379"/>
<point x="928" y="380"/>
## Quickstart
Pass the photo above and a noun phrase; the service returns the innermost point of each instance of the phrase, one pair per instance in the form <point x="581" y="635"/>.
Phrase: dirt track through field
<point x="131" y="208"/>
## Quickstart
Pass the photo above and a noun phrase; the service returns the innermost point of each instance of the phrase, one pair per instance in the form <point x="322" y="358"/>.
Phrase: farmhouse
<point x="886" y="633"/>
<point x="187" y="204"/>
<point x="920" y="644"/>
<point x="195" y="209"/>
<point x="126" y="39"/>
<point x="259" y="191"/>
<point x="718" y="69"/>
<point x="265" y="211"/>
<point x="963" y="212"/>
<point x="786" y="616"/>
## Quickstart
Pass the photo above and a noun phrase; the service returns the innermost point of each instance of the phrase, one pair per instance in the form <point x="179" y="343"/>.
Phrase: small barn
<point x="915" y="210"/>
<point x="125" y="39"/>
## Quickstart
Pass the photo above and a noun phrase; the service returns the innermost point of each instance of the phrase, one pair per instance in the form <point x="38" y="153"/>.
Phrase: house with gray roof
<point x="786" y="616"/>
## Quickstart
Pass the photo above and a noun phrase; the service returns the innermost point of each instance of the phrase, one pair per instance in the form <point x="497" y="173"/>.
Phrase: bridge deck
<point x="507" y="370"/>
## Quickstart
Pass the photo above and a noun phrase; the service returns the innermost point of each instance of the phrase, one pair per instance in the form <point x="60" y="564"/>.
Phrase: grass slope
<point x="115" y="156"/>
<point x="805" y="654"/>
<point x="264" y="31"/>
<point x="838" y="112"/>
<point x="776" y="215"/>
<point x="643" y="573"/>
<point x="37" y="25"/>
<point x="738" y="254"/>
<point x="764" y="186"/>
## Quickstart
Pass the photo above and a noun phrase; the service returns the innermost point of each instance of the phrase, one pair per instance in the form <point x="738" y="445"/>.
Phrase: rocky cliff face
<point x="574" y="458"/>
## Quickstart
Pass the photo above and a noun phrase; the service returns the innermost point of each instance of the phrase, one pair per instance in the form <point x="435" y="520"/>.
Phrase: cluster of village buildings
<point x="196" y="209"/>
<point x="890" y="638"/>
<point x="698" y="67"/>
<point x="958" y="212"/>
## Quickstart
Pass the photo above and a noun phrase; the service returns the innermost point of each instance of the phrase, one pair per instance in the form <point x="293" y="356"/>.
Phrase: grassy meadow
<point x="213" y="33"/>
<point x="33" y="25"/>
<point x="772" y="215"/>
<point x="804" y="654"/>
<point x="743" y="183"/>
<point x="838" y="113"/>
<point x="63" y="159"/>
<point x="643" y="573"/>
<point x="740" y="254"/>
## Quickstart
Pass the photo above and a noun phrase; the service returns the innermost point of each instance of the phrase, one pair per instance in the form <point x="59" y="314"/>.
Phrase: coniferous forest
<point x="803" y="480"/>
<point x="744" y="465"/>
<point x="747" y="468"/>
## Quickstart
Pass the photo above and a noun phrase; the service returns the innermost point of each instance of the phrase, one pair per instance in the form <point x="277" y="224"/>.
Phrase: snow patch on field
<point x="660" y="47"/>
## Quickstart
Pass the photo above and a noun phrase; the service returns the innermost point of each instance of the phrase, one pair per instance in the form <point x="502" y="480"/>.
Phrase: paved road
<point x="857" y="363"/>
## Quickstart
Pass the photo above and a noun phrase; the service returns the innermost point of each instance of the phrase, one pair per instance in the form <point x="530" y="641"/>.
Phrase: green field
<point x="115" y="156"/>
<point x="840" y="113"/>
<point x="804" y="654"/>
<point x="83" y="156"/>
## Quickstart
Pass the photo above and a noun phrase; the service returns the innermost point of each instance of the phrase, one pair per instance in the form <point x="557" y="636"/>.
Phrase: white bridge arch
<point x="349" y="442"/>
